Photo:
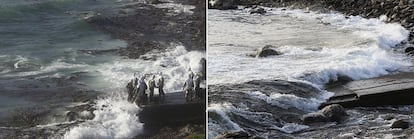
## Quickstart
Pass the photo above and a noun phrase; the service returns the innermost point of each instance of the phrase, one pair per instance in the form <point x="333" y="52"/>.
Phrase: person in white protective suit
<point x="160" y="85"/>
<point x="189" y="87"/>
<point x="151" y="86"/>
<point x="142" y="86"/>
<point x="197" y="81"/>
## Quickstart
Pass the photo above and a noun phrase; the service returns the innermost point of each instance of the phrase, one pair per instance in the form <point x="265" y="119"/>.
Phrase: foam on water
<point x="317" y="48"/>
<point x="225" y="124"/>
<point x="363" y="51"/>
<point x="115" y="117"/>
<point x="176" y="8"/>
<point x="287" y="101"/>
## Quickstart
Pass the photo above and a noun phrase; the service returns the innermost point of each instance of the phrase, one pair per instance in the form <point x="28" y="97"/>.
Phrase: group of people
<point x="192" y="87"/>
<point x="137" y="89"/>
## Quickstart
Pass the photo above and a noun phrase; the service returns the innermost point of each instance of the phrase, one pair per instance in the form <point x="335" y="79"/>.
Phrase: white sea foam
<point x="224" y="123"/>
<point x="176" y="8"/>
<point x="115" y="117"/>
<point x="350" y="46"/>
<point x="287" y="101"/>
<point x="317" y="48"/>
<point x="292" y="127"/>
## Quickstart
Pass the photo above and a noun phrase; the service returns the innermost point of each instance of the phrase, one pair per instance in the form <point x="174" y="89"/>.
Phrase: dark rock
<point x="258" y="11"/>
<point x="267" y="51"/>
<point x="334" y="112"/>
<point x="404" y="124"/>
<point x="236" y="135"/>
<point x="315" y="117"/>
<point x="409" y="50"/>
<point x="222" y="4"/>
<point x="72" y="116"/>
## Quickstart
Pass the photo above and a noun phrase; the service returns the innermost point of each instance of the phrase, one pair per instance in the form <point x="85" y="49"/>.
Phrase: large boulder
<point x="222" y="4"/>
<point x="315" y="117"/>
<point x="330" y="113"/>
<point x="404" y="124"/>
<point x="258" y="11"/>
<point x="267" y="51"/>
<point x="334" y="112"/>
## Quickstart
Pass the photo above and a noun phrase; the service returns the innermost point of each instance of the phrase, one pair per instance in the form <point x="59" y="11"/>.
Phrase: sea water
<point x="317" y="48"/>
<point x="44" y="64"/>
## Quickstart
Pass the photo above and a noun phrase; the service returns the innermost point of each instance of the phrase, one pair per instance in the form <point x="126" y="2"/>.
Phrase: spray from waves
<point x="225" y="124"/>
<point x="371" y="57"/>
<point x="219" y="120"/>
<point x="287" y="101"/>
<point x="354" y="63"/>
<point x="357" y="60"/>
<point x="115" y="117"/>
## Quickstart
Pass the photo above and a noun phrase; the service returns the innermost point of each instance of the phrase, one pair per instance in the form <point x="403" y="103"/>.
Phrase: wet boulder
<point x="315" y="117"/>
<point x="71" y="116"/>
<point x="236" y="135"/>
<point x="404" y="124"/>
<point x="330" y="113"/>
<point x="258" y="11"/>
<point x="267" y="51"/>
<point x="222" y="4"/>
<point x="334" y="112"/>
<point x="409" y="50"/>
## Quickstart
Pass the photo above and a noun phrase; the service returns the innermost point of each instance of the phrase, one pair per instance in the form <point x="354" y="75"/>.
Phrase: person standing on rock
<point x="189" y="87"/>
<point x="142" y="96"/>
<point x="130" y="88"/>
<point x="161" y="85"/>
<point x="151" y="86"/>
<point x="134" y="89"/>
<point x="197" y="80"/>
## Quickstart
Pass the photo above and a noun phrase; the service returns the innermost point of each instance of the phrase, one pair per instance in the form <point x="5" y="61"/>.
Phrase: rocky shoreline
<point x="146" y="27"/>
<point x="259" y="119"/>
<point x="401" y="11"/>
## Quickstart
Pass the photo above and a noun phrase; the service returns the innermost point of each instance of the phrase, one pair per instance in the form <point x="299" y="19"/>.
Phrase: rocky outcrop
<point x="156" y="28"/>
<point x="258" y="11"/>
<point x="236" y="135"/>
<point x="334" y="112"/>
<point x="409" y="50"/>
<point x="315" y="117"/>
<point x="267" y="51"/>
<point x="331" y="113"/>
<point x="404" y="124"/>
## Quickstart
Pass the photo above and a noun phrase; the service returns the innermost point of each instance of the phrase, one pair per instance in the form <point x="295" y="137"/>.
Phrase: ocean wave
<point x="115" y="116"/>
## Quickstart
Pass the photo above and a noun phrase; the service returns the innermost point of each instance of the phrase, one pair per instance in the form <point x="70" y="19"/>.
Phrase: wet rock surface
<point x="258" y="117"/>
<point x="236" y="135"/>
<point x="334" y="112"/>
<point x="174" y="131"/>
<point x="267" y="51"/>
<point x="314" y="117"/>
<point x="148" y="28"/>
<point x="252" y="112"/>
<point x="402" y="123"/>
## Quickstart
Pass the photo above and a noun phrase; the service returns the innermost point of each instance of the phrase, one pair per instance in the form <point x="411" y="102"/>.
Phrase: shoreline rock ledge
<point x="397" y="11"/>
